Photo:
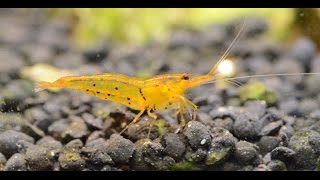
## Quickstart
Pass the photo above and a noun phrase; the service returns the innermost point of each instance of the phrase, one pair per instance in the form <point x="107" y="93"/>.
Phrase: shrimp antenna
<point x="225" y="54"/>
<point x="261" y="75"/>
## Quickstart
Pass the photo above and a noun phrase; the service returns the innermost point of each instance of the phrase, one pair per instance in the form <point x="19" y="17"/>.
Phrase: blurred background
<point x="87" y="27"/>
<point x="45" y="44"/>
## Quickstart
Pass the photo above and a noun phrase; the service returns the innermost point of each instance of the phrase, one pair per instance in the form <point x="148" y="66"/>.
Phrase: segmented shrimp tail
<point x="42" y="86"/>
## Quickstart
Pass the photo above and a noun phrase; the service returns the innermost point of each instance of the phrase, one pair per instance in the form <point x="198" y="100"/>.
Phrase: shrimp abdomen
<point x="117" y="88"/>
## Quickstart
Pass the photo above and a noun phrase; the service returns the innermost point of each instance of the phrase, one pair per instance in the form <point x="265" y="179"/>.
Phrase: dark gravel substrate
<point x="72" y="131"/>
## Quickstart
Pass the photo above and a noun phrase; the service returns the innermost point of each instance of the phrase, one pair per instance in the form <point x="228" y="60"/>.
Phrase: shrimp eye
<point x="185" y="77"/>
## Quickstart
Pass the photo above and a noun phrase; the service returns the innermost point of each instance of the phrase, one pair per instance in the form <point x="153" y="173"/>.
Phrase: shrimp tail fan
<point x="42" y="86"/>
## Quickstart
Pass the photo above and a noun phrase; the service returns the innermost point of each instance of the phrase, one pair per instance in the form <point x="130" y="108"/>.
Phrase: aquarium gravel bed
<point x="276" y="130"/>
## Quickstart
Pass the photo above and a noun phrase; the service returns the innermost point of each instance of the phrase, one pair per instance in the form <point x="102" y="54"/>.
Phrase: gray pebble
<point x="76" y="143"/>
<point x="303" y="50"/>
<point x="286" y="130"/>
<point x="276" y="165"/>
<point x="198" y="134"/>
<point x="54" y="104"/>
<point x="16" y="62"/>
<point x="138" y="158"/>
<point x="54" y="35"/>
<point x="265" y="120"/>
<point x="257" y="108"/>
<point x="183" y="38"/>
<point x="284" y="139"/>
<point x="39" y="158"/>
<point x="57" y="128"/>
<point x="307" y="106"/>
<point x="315" y="127"/>
<point x="213" y="36"/>
<point x="208" y="99"/>
<point x="222" y="146"/>
<point x="97" y="157"/>
<point x="70" y="159"/>
<point x="99" y="143"/>
<point x="120" y="149"/>
<point x="259" y="65"/>
<point x="267" y="158"/>
<point x="23" y="146"/>
<point x="268" y="143"/>
<point x="222" y="112"/>
<point x="173" y="146"/>
<point x="306" y="150"/>
<point x="95" y="135"/>
<point x="314" y="141"/>
<point x="74" y="60"/>
<point x="17" y="90"/>
<point x="100" y="158"/>
<point x="16" y="162"/>
<point x="271" y="129"/>
<point x="106" y="168"/>
<point x="283" y="154"/>
<point x="226" y="123"/>
<point x="36" y="53"/>
<point x="302" y="123"/>
<point x="41" y="118"/>
<point x="205" y="118"/>
<point x="92" y="122"/>
<point x="15" y="33"/>
<point x="245" y="152"/>
<point x="197" y="156"/>
<point x="312" y="84"/>
<point x="231" y="166"/>
<point x="97" y="53"/>
<point x="288" y="65"/>
<point x="50" y="143"/>
<point x="255" y="27"/>
<point x="247" y="168"/>
<point x="9" y="140"/>
<point x="235" y="102"/>
<point x="260" y="167"/>
<point x="291" y="107"/>
<point x="67" y="110"/>
<point x="32" y="130"/>
<point x="154" y="156"/>
<point x="315" y="64"/>
<point x="244" y="127"/>
<point x="315" y="114"/>
<point x="76" y="129"/>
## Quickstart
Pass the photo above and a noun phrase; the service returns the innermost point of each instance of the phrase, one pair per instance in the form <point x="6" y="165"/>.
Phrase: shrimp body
<point x="156" y="93"/>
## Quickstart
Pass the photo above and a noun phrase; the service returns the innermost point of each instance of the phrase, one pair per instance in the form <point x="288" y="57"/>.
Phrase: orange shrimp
<point x="156" y="93"/>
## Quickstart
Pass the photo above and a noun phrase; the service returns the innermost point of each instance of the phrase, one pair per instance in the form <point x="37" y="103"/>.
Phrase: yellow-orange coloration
<point x="156" y="93"/>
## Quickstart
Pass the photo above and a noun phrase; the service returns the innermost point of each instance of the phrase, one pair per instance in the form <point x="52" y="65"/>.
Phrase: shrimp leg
<point x="187" y="102"/>
<point x="154" y="117"/>
<point x="184" y="102"/>
<point x="180" y="112"/>
<point x="194" y="108"/>
<point x="136" y="118"/>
